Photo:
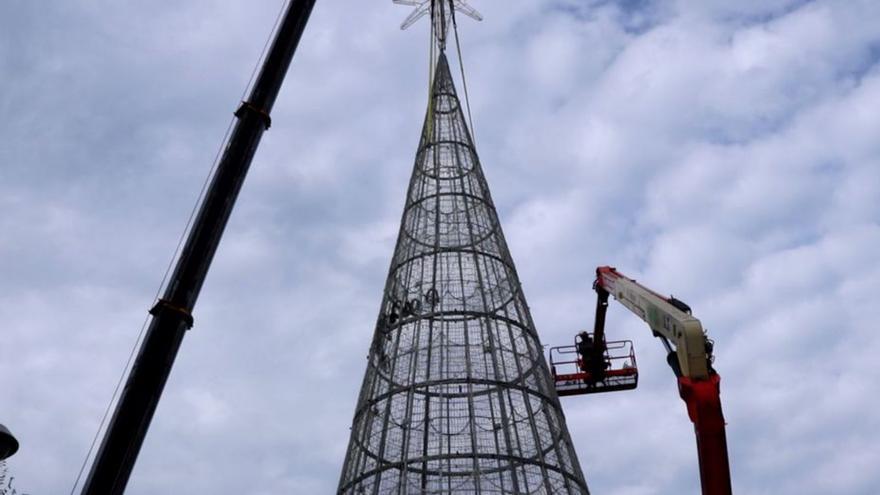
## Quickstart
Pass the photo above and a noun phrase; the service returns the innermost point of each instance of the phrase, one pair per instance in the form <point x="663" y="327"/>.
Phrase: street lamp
<point x="8" y="443"/>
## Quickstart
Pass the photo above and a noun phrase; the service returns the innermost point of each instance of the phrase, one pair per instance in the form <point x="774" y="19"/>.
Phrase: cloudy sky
<point x="725" y="152"/>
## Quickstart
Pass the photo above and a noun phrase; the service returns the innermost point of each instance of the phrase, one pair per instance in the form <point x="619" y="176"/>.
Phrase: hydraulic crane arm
<point x="691" y="359"/>
<point x="668" y="318"/>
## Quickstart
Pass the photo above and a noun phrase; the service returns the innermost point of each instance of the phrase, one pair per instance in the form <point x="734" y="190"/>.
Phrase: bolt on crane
<point x="594" y="365"/>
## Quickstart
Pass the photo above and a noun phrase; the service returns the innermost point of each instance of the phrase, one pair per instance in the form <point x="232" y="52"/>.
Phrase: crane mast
<point x="172" y="314"/>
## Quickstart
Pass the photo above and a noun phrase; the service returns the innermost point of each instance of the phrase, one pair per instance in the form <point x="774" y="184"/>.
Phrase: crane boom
<point x="172" y="315"/>
<point x="596" y="366"/>
<point x="667" y="317"/>
<point x="691" y="360"/>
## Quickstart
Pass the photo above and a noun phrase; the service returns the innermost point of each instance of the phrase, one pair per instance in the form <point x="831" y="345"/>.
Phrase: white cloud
<point x="722" y="151"/>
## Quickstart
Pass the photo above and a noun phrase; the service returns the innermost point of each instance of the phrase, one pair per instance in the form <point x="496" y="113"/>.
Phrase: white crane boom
<point x="667" y="317"/>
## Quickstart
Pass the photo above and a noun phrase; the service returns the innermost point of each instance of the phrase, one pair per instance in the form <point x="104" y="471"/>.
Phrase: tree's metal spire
<point x="441" y="14"/>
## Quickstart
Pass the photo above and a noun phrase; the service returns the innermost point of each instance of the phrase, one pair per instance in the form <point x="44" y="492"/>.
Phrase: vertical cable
<point x="467" y="99"/>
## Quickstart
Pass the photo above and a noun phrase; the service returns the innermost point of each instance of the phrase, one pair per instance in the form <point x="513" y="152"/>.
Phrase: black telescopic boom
<point x="172" y="315"/>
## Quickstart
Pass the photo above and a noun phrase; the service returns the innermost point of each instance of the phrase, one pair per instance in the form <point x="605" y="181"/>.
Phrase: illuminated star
<point x="442" y="12"/>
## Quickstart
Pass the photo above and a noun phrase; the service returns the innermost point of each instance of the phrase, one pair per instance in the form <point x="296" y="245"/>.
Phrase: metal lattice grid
<point x="457" y="396"/>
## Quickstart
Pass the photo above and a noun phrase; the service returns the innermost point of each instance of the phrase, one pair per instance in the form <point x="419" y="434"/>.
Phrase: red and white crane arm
<point x="667" y="317"/>
<point x="691" y="360"/>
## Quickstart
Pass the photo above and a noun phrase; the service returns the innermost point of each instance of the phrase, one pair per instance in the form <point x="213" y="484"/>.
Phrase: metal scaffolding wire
<point x="457" y="397"/>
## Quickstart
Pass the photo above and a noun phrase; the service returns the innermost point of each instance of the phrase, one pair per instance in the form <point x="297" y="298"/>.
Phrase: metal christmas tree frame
<point x="457" y="396"/>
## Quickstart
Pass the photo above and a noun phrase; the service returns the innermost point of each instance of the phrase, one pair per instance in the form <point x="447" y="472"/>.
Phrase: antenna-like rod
<point x="172" y="315"/>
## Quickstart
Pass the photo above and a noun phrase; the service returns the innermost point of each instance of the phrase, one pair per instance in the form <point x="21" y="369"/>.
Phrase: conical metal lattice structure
<point x="457" y="397"/>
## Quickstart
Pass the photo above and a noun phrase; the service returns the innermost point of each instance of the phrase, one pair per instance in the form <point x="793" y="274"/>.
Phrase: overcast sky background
<point x="725" y="152"/>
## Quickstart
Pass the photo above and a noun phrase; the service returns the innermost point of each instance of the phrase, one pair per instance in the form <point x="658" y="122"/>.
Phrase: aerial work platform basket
<point x="574" y="375"/>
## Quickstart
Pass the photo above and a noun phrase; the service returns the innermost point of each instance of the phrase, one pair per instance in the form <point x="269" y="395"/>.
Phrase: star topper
<point x="441" y="12"/>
